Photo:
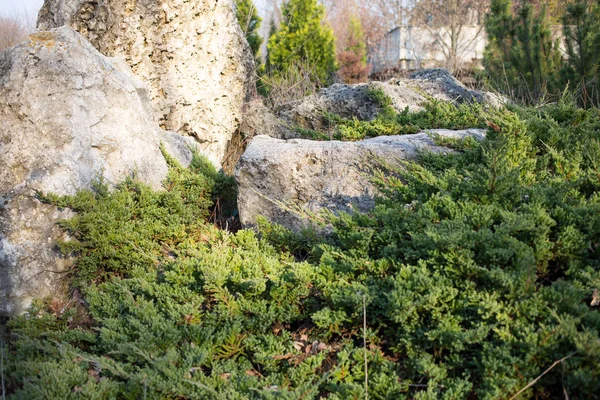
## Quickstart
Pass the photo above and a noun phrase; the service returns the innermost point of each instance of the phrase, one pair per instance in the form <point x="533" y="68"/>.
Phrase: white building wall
<point x="418" y="47"/>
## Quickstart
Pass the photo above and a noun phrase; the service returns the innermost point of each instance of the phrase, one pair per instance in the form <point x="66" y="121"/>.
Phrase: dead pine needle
<point x="533" y="382"/>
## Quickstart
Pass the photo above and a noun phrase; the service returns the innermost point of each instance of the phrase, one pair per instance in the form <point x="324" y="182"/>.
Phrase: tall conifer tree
<point x="303" y="39"/>
<point x="581" y="31"/>
<point x="499" y="26"/>
<point x="521" y="55"/>
<point x="249" y="21"/>
<point x="272" y="32"/>
<point x="535" y="54"/>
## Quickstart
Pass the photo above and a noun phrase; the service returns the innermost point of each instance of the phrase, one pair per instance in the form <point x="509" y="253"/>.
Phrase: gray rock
<point x="68" y="114"/>
<point x="439" y="84"/>
<point x="192" y="55"/>
<point x="355" y="101"/>
<point x="347" y="101"/>
<point x="259" y="120"/>
<point x="278" y="176"/>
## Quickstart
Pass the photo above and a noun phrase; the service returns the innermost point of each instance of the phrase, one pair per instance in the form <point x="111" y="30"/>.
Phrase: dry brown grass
<point x="14" y="29"/>
<point x="294" y="83"/>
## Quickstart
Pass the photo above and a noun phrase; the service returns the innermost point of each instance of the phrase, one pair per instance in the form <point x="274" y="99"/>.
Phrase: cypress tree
<point x="303" y="39"/>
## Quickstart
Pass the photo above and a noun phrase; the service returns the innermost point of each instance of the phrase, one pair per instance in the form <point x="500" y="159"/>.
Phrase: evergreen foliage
<point x="581" y="28"/>
<point x="521" y="58"/>
<point x="303" y="39"/>
<point x="477" y="269"/>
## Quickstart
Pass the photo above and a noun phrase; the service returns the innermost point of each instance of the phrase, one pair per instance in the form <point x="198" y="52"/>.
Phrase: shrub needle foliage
<point x="478" y="270"/>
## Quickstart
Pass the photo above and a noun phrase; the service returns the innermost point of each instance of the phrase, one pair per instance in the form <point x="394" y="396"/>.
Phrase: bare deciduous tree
<point x="376" y="21"/>
<point x="454" y="26"/>
<point x="377" y="17"/>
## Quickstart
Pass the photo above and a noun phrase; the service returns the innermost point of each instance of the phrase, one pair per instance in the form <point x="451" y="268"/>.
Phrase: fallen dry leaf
<point x="595" y="298"/>
<point x="225" y="376"/>
<point x="298" y="345"/>
<point x="314" y="347"/>
<point x="92" y="373"/>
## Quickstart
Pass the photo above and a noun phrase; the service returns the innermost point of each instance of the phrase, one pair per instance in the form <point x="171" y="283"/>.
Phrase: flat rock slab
<point x="276" y="176"/>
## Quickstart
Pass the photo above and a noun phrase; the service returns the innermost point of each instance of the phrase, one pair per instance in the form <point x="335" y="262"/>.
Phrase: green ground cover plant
<point x="476" y="269"/>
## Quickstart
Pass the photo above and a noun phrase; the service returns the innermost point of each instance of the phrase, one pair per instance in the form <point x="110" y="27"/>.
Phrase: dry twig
<point x="533" y="382"/>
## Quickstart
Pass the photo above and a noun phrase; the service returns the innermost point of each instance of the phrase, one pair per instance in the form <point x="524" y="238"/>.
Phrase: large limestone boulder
<point x="192" y="54"/>
<point x="67" y="114"/>
<point x="278" y="177"/>
<point x="260" y="120"/>
<point x="349" y="101"/>
<point x="358" y="101"/>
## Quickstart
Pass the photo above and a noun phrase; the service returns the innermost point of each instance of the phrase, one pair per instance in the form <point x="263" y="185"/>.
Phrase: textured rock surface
<point x="348" y="101"/>
<point x="354" y="101"/>
<point x="314" y="175"/>
<point x="259" y="120"/>
<point x="192" y="55"/>
<point x="440" y="84"/>
<point x="67" y="113"/>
